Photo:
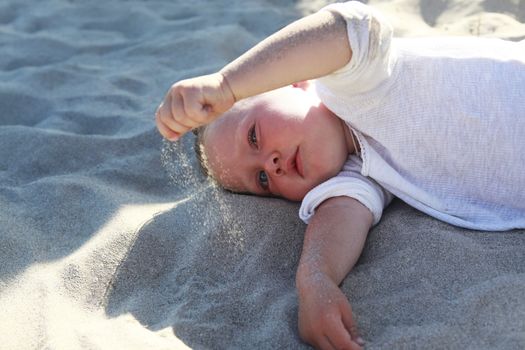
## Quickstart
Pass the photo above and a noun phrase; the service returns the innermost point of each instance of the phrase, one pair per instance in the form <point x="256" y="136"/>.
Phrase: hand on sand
<point x="325" y="316"/>
<point x="192" y="103"/>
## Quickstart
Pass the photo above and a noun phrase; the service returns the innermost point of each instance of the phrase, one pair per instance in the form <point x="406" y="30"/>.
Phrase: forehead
<point x="222" y="141"/>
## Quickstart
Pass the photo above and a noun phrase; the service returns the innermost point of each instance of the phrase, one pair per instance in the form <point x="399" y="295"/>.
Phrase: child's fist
<point x="192" y="103"/>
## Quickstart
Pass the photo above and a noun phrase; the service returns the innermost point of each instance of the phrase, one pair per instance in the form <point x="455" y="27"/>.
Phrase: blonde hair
<point x="198" y="147"/>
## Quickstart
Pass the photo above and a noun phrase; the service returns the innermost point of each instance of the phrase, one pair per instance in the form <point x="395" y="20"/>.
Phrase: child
<point x="437" y="122"/>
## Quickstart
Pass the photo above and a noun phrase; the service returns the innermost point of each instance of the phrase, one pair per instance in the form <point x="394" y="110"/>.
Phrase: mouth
<point x="298" y="163"/>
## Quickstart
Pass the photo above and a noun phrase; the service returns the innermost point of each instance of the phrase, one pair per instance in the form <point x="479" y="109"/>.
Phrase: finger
<point x="164" y="114"/>
<point x="188" y="110"/>
<point x="339" y="337"/>
<point x="325" y="344"/>
<point x="350" y="325"/>
<point x="165" y="131"/>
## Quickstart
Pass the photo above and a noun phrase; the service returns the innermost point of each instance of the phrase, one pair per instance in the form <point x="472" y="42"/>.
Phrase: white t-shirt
<point x="440" y="123"/>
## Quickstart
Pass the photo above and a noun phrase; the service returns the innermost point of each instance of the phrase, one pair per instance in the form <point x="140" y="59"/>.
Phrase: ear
<point x="304" y="85"/>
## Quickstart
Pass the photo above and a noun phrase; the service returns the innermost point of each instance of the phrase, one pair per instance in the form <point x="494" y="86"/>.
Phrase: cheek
<point x="282" y="121"/>
<point x="286" y="130"/>
<point x="326" y="161"/>
<point x="328" y="147"/>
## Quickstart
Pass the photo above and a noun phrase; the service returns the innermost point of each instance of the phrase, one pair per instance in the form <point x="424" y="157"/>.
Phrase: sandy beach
<point x="111" y="238"/>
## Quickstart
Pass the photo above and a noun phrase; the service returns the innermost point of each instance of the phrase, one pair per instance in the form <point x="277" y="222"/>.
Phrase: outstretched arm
<point x="333" y="242"/>
<point x="308" y="48"/>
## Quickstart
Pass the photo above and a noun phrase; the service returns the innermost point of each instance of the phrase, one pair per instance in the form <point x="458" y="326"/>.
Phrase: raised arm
<point x="333" y="242"/>
<point x="308" y="48"/>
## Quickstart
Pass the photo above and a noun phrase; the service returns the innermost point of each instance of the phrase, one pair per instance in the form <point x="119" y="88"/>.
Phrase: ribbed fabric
<point x="440" y="122"/>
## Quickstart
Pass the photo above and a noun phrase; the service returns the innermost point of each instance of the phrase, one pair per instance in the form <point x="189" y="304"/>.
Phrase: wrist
<point x="227" y="88"/>
<point x="308" y="278"/>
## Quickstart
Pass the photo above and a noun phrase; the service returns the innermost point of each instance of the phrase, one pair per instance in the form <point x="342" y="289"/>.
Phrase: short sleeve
<point x="369" y="36"/>
<point x="349" y="182"/>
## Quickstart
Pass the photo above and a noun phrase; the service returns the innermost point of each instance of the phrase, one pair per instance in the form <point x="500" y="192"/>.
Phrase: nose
<point x="273" y="164"/>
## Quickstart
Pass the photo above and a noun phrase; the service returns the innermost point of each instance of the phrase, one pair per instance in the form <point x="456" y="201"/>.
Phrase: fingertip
<point x="166" y="132"/>
<point x="360" y="341"/>
<point x="174" y="137"/>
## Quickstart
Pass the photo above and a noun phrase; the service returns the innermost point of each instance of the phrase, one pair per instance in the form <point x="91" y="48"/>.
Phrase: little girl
<point x="438" y="123"/>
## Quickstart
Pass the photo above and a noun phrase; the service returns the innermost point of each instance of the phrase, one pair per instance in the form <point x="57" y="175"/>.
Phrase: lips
<point x="299" y="163"/>
<point x="294" y="162"/>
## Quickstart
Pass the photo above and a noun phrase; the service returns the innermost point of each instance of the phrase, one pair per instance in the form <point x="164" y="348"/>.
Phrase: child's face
<point x="281" y="143"/>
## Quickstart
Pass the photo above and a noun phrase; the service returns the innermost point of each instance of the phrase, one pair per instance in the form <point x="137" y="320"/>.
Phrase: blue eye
<point x="252" y="136"/>
<point x="263" y="179"/>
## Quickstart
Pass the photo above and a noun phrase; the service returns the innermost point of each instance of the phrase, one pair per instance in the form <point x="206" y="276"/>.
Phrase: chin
<point x="294" y="198"/>
<point x="298" y="195"/>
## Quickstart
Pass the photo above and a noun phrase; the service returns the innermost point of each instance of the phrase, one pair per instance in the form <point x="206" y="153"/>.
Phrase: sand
<point x="110" y="238"/>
